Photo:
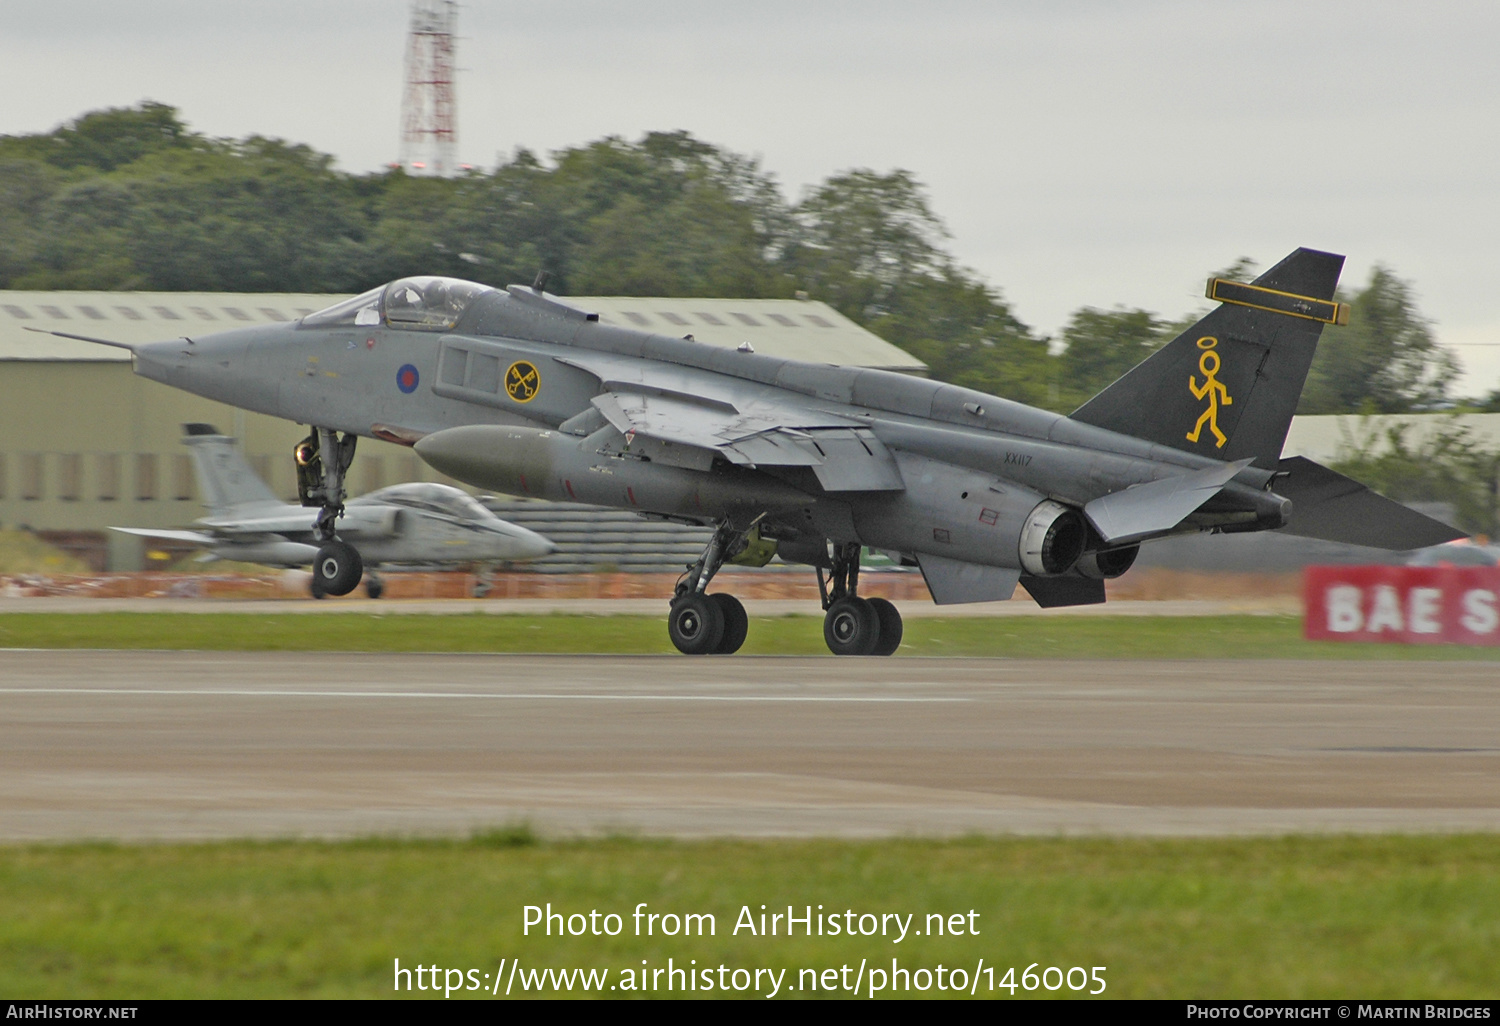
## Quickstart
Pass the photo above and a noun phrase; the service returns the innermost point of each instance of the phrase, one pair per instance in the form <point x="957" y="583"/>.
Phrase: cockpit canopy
<point x="424" y="303"/>
<point x="431" y="498"/>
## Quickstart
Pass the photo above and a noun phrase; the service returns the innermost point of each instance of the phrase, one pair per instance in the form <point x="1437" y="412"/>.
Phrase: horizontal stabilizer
<point x="1157" y="506"/>
<point x="1051" y="592"/>
<point x="952" y="582"/>
<point x="1332" y="507"/>
<point x="196" y="537"/>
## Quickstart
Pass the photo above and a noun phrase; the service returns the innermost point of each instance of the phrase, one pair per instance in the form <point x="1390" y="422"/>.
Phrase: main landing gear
<point x="704" y="624"/>
<point x="323" y="459"/>
<point x="854" y="625"/>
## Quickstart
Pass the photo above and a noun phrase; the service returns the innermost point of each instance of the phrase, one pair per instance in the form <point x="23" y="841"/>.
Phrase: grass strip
<point x="1075" y="637"/>
<point x="1299" y="917"/>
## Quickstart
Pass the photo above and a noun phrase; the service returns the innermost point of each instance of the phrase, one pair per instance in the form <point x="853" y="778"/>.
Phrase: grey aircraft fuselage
<point x="516" y="391"/>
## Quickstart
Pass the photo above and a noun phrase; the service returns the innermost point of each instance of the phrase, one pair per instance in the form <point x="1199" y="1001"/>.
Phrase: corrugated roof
<point x="787" y="328"/>
<point x="133" y="317"/>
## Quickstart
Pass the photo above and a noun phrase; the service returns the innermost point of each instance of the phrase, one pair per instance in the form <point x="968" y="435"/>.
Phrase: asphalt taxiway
<point x="139" y="745"/>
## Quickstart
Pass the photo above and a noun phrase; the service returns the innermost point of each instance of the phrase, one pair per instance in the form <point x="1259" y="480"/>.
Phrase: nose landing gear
<point x="337" y="567"/>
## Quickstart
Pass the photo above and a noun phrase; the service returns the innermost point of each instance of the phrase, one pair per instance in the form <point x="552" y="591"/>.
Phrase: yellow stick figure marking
<point x="1212" y="389"/>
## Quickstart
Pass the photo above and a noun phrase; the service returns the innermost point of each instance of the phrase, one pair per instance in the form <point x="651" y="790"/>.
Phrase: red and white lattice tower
<point x="429" y="108"/>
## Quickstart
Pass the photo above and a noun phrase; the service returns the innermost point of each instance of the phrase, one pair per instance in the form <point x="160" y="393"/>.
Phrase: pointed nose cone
<point x="534" y="546"/>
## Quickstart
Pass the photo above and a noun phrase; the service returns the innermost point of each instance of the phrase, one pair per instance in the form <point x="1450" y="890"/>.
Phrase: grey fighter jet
<point x="418" y="525"/>
<point x="517" y="391"/>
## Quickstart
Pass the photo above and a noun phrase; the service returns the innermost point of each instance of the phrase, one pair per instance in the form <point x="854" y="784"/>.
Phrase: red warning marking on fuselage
<point x="630" y="494"/>
<point x="524" y="486"/>
<point x="569" y="486"/>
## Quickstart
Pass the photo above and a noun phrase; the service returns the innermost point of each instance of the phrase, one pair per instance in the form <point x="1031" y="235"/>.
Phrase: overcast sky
<point x="1080" y="151"/>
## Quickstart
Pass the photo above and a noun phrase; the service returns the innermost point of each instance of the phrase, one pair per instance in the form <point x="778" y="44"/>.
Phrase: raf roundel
<point x="522" y="381"/>
<point x="407" y="378"/>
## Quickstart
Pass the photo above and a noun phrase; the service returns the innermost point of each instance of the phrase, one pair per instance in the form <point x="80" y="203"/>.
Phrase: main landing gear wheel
<point x="736" y="622"/>
<point x="337" y="569"/>
<point x="851" y="627"/>
<point x="696" y="624"/>
<point x="890" y="626"/>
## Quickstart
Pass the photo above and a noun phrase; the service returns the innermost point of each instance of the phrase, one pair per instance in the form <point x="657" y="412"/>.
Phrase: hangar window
<point x="236" y="313"/>
<point x="429" y="303"/>
<point x="69" y="476"/>
<point x="709" y="318"/>
<point x="108" y="471"/>
<point x="145" y="476"/>
<point x="745" y="318"/>
<point x="31" y="475"/>
<point x="92" y="313"/>
<point x="182" y="477"/>
<point x="55" y="311"/>
<point x="273" y="313"/>
<point x="818" y="322"/>
<point x="362" y="309"/>
<point x="202" y="313"/>
<point x="637" y="318"/>
<point x="17" y="312"/>
<point x="671" y="317"/>
<point x="130" y="313"/>
<point x="166" y="313"/>
<point x="783" y="320"/>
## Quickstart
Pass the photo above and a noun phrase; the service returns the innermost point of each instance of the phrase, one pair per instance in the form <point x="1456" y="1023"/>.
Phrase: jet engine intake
<point x="1052" y="539"/>
<point x="1107" y="564"/>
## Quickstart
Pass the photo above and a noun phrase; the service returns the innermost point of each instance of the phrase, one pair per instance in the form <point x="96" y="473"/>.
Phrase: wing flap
<point x="844" y="456"/>
<point x="953" y="581"/>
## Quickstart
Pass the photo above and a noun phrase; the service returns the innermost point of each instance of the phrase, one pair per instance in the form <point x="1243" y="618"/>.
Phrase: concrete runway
<point x="185" y="745"/>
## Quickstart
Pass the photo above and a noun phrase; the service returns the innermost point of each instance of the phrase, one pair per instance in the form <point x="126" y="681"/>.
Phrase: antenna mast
<point x="429" y="108"/>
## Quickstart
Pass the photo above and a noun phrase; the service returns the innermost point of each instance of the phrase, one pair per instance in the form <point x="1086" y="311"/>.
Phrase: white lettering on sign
<point x="1385" y="614"/>
<point x="1424" y="605"/>
<point x="1479" y="612"/>
<point x="1344" y="613"/>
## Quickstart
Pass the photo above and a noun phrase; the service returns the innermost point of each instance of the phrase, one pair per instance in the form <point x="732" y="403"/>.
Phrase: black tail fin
<point x="1228" y="386"/>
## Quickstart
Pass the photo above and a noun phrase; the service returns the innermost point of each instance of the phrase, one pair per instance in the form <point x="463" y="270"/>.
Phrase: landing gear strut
<point x="323" y="458"/>
<point x="853" y="625"/>
<point x="704" y="624"/>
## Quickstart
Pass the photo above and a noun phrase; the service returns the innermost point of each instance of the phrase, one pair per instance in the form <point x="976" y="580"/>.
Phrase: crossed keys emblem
<point x="522" y="381"/>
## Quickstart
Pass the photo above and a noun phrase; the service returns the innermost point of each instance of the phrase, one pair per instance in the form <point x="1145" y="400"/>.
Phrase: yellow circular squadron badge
<point x="522" y="382"/>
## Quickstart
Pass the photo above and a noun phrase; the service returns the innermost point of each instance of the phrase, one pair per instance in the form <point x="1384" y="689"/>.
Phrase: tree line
<point x="132" y="198"/>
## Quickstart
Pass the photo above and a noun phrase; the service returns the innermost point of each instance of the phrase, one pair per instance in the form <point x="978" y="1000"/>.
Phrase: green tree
<point x="1101" y="345"/>
<point x="1384" y="361"/>
<point x="1428" y="459"/>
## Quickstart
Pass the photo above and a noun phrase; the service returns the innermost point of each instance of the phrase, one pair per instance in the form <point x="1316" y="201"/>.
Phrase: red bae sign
<point x="1423" y="605"/>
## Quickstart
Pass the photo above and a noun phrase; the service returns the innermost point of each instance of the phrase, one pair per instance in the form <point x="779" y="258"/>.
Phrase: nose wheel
<point x="323" y="460"/>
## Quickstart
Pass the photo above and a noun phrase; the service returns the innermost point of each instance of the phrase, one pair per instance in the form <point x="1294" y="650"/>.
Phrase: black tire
<point x="695" y="624"/>
<point x="315" y="589"/>
<point x="337" y="568"/>
<point x="374" y="586"/>
<point x="890" y="627"/>
<point x="736" y="623"/>
<point x="851" y="627"/>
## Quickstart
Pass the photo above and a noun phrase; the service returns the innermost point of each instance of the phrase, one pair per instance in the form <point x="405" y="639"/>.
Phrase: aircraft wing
<point x="844" y="455"/>
<point x="357" y="522"/>
<point x="196" y="537"/>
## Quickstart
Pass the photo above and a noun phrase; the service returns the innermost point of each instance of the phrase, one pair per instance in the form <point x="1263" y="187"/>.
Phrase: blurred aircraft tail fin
<point x="224" y="476"/>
